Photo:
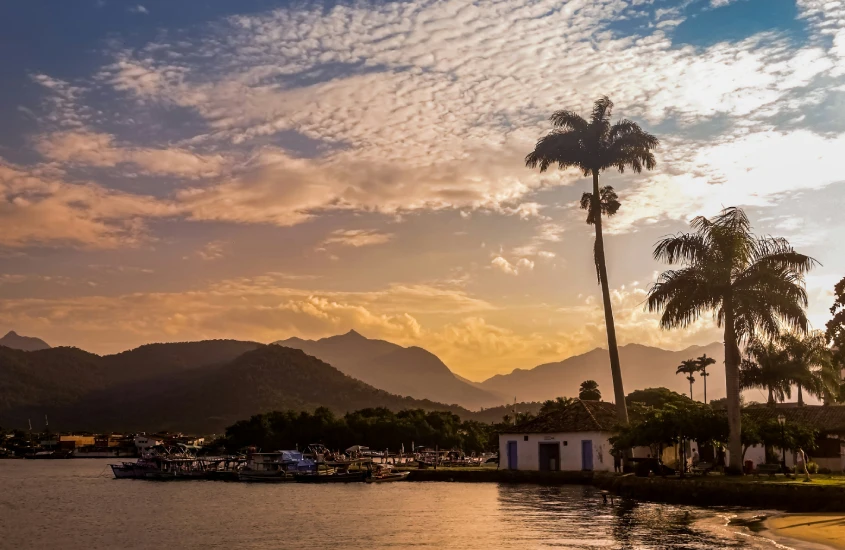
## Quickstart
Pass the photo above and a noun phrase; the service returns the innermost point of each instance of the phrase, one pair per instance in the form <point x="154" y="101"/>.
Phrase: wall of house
<point x="528" y="452"/>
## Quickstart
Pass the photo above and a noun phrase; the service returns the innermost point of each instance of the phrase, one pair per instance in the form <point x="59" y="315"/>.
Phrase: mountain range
<point x="197" y="386"/>
<point x="205" y="386"/>
<point x="411" y="371"/>
<point x="642" y="367"/>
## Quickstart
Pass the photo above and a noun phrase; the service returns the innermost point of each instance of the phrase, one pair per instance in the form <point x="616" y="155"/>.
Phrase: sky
<point x="174" y="171"/>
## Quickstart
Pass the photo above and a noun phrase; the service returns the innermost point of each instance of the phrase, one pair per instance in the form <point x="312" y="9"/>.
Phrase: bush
<point x="812" y="467"/>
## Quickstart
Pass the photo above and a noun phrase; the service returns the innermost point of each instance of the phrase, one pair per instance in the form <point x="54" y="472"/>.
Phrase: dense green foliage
<point x="658" y="398"/>
<point x="836" y="331"/>
<point x="378" y="428"/>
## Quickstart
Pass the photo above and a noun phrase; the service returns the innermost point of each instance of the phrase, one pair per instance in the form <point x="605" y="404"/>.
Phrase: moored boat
<point x="384" y="473"/>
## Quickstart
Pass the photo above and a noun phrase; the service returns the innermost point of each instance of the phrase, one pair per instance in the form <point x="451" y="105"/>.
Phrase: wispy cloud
<point x="357" y="237"/>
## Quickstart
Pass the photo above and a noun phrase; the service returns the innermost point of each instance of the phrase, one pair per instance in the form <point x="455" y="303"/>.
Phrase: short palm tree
<point x="703" y="363"/>
<point x="767" y="365"/>
<point x="813" y="368"/>
<point x="592" y="147"/>
<point x="753" y="285"/>
<point x="688" y="367"/>
<point x="589" y="391"/>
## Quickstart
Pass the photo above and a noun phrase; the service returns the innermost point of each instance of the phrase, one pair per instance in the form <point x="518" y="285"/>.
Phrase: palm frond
<point x="568" y="120"/>
<point x="563" y="148"/>
<point x="687" y="247"/>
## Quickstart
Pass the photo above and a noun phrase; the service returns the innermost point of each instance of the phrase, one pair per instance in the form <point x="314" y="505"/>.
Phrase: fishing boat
<point x="385" y="473"/>
<point x="356" y="470"/>
<point x="275" y="467"/>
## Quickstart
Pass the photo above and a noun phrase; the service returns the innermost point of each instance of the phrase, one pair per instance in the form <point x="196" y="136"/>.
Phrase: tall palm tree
<point x="703" y="363"/>
<point x="592" y="147"/>
<point x="688" y="367"/>
<point x="753" y="285"/>
<point x="767" y="365"/>
<point x="812" y="363"/>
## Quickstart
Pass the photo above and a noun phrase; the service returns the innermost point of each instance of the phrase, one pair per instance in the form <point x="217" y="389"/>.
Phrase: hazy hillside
<point x="642" y="367"/>
<point x="26" y="343"/>
<point x="207" y="400"/>
<point x="409" y="371"/>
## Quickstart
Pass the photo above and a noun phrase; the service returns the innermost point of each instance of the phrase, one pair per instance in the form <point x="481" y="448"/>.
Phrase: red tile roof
<point x="580" y="416"/>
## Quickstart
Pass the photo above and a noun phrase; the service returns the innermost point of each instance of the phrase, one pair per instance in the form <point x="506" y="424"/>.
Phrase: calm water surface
<point x="76" y="504"/>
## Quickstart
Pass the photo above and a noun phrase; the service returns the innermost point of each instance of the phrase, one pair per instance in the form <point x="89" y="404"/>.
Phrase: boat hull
<point x="399" y="476"/>
<point x="332" y="478"/>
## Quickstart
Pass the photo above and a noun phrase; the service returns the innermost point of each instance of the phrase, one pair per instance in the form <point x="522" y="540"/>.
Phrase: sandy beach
<point x="823" y="529"/>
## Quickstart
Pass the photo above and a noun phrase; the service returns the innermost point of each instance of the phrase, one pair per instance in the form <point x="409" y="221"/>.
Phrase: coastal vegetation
<point x="754" y="286"/>
<point x="379" y="428"/>
<point x="592" y="147"/>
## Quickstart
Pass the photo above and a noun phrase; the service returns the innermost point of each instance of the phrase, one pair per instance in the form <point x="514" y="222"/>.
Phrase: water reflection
<point x="79" y="500"/>
<point x="578" y="517"/>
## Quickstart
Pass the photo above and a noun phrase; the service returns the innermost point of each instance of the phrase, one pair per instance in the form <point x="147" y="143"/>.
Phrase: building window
<point x="525" y="438"/>
<point x="565" y="443"/>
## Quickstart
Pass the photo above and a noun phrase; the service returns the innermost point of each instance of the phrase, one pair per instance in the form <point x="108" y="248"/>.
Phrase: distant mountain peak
<point x="354" y="334"/>
<point x="25" y="343"/>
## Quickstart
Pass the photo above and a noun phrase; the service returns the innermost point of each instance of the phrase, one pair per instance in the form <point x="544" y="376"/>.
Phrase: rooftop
<point x="580" y="416"/>
<point x="825" y="418"/>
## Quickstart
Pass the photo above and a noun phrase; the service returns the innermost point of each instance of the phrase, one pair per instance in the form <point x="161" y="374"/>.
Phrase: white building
<point x="573" y="438"/>
<point x="143" y="443"/>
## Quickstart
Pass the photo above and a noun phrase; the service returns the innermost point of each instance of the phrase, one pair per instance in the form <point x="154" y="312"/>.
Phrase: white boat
<point x="275" y="467"/>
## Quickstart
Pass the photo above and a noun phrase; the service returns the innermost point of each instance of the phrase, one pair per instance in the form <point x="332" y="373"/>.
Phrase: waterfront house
<point x="573" y="438"/>
<point x="829" y="420"/>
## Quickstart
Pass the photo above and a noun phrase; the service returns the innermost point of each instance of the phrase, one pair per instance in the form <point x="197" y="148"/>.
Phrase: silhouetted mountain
<point x="154" y="360"/>
<point x="55" y="376"/>
<point x="206" y="400"/>
<point x="36" y="381"/>
<point x="642" y="367"/>
<point x="410" y="371"/>
<point x="26" y="343"/>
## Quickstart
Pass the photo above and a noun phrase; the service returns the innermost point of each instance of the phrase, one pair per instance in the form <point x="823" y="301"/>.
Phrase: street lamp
<point x="782" y="422"/>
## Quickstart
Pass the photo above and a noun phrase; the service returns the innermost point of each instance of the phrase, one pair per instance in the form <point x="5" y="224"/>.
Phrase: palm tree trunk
<point x="800" y="396"/>
<point x="704" y="376"/>
<point x="732" y="386"/>
<point x="771" y="401"/>
<point x="601" y="265"/>
<point x="690" y="391"/>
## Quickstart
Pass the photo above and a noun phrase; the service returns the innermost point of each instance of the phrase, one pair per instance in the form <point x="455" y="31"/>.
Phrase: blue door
<point x="587" y="454"/>
<point x="511" y="455"/>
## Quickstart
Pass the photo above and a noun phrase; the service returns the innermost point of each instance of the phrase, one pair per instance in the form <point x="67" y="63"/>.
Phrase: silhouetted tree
<point x="751" y="284"/>
<point x="592" y="147"/>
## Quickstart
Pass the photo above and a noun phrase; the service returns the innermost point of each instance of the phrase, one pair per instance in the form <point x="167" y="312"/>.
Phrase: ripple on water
<point x="75" y="504"/>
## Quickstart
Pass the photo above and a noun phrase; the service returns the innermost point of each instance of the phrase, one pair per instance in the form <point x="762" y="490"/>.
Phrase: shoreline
<point x="822" y="531"/>
<point x="756" y="493"/>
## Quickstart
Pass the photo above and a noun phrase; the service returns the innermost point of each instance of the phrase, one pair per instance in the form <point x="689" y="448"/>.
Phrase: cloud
<point x="97" y="149"/>
<point x="213" y="250"/>
<point x="139" y="9"/>
<point x="522" y="265"/>
<point x="357" y="237"/>
<point x="38" y="207"/>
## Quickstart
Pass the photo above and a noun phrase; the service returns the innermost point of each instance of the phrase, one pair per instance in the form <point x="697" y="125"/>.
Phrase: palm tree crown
<point x="812" y="365"/>
<point x="593" y="146"/>
<point x="688" y="367"/>
<point x="767" y="366"/>
<point x="753" y="285"/>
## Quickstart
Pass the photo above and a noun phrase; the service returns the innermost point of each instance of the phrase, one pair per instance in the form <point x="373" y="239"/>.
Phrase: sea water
<point x="76" y="504"/>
